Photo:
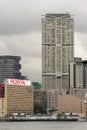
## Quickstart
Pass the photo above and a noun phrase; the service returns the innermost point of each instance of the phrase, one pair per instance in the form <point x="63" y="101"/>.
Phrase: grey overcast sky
<point x="20" y="30"/>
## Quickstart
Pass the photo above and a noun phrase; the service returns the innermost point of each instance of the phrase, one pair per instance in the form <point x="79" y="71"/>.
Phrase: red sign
<point x="1" y="91"/>
<point x="18" y="82"/>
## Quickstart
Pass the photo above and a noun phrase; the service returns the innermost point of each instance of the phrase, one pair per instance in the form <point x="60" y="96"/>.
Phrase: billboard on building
<point x="18" y="82"/>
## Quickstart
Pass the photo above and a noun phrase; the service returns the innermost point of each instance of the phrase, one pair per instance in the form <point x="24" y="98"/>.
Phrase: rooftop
<point x="58" y="15"/>
<point x="10" y="57"/>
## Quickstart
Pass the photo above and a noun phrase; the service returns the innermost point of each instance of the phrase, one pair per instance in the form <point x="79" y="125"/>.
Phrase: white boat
<point x="69" y="117"/>
<point x="65" y="117"/>
<point x="82" y="119"/>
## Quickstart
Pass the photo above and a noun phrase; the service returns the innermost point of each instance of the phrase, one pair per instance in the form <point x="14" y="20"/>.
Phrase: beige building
<point x="18" y="97"/>
<point x="57" y="50"/>
<point x="70" y="103"/>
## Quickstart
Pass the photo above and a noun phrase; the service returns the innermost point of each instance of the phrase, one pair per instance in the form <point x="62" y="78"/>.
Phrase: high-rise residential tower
<point x="57" y="50"/>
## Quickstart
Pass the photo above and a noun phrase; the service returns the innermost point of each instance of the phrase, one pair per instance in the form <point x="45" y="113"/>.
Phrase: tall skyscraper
<point x="78" y="77"/>
<point x="57" y="50"/>
<point x="10" y="67"/>
<point x="78" y="74"/>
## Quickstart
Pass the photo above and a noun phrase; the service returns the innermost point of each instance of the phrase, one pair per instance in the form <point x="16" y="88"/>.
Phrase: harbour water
<point x="43" y="125"/>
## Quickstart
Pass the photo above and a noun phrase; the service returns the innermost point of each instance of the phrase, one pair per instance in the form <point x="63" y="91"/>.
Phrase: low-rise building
<point x="18" y="97"/>
<point x="40" y="101"/>
<point x="71" y="104"/>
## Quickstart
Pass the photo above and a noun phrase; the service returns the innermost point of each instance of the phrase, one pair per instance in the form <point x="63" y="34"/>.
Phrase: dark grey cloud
<point x="27" y="46"/>
<point x="20" y="29"/>
<point x="24" y="16"/>
<point x="18" y="17"/>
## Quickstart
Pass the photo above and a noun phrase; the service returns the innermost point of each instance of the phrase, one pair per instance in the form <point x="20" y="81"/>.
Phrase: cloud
<point x="20" y="29"/>
<point x="81" y="45"/>
<point x="24" y="16"/>
<point x="27" y="46"/>
<point x="18" y="17"/>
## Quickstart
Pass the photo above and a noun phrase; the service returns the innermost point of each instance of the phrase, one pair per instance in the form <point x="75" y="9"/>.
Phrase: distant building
<point x="52" y="100"/>
<point x="18" y="97"/>
<point x="10" y="67"/>
<point x="84" y="62"/>
<point x="79" y="92"/>
<point x="57" y="50"/>
<point x="78" y="74"/>
<point x="40" y="101"/>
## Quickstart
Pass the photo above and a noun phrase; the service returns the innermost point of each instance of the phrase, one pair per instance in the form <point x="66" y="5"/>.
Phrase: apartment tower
<point x="57" y="50"/>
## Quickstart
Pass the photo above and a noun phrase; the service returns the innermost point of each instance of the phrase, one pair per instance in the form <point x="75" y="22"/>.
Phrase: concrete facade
<point x="57" y="50"/>
<point x="78" y="74"/>
<point x="52" y="100"/>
